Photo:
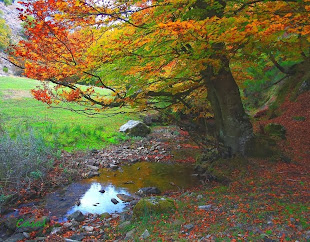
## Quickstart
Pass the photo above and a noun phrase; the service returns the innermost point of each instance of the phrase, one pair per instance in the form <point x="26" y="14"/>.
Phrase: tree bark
<point x="233" y="126"/>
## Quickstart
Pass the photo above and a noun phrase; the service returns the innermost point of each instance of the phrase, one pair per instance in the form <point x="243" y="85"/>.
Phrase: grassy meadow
<point x="20" y="114"/>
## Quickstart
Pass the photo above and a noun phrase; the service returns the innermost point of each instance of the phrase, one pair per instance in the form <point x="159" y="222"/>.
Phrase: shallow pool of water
<point x="86" y="197"/>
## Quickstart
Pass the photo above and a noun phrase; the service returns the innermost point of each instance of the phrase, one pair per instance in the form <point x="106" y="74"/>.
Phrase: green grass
<point x="62" y="128"/>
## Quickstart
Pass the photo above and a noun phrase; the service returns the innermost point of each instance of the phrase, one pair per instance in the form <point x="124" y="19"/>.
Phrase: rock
<point x="31" y="224"/>
<point x="129" y="235"/>
<point x="145" y="191"/>
<point x="102" y="191"/>
<point x="75" y="223"/>
<point x="126" y="216"/>
<point x="77" y="216"/>
<point x="26" y="235"/>
<point x="305" y="86"/>
<point x="104" y="215"/>
<point x="275" y="130"/>
<point x="92" y="174"/>
<point x="15" y="238"/>
<point x="135" y="128"/>
<point x="205" y="207"/>
<point x="115" y="215"/>
<point x="10" y="223"/>
<point x="113" y="200"/>
<point x="41" y="239"/>
<point x="188" y="226"/>
<point x="94" y="168"/>
<point x="151" y="118"/>
<point x="89" y="228"/>
<point x="67" y="225"/>
<point x="113" y="166"/>
<point x="125" y="198"/>
<point x="78" y="237"/>
<point x="153" y="205"/>
<point x="56" y="230"/>
<point x="124" y="225"/>
<point x="145" y="234"/>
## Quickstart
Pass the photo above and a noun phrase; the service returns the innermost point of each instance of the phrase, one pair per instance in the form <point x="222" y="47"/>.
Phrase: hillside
<point x="10" y="15"/>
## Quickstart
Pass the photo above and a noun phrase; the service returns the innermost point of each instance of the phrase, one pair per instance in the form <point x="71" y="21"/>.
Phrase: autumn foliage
<point x="161" y="54"/>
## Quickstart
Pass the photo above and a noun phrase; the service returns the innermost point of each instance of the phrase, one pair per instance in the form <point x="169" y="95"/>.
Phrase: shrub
<point x="23" y="160"/>
<point x="7" y="2"/>
<point x="5" y="69"/>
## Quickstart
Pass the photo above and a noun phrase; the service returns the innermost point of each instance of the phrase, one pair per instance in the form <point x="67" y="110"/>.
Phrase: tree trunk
<point x="234" y="128"/>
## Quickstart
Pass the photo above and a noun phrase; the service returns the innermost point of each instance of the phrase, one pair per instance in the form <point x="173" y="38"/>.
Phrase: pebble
<point x="145" y="234"/>
<point x="89" y="228"/>
<point x="205" y="207"/>
<point x="188" y="226"/>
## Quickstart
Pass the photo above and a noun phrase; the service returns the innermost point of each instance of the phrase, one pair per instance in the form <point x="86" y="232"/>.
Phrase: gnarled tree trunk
<point x="234" y="128"/>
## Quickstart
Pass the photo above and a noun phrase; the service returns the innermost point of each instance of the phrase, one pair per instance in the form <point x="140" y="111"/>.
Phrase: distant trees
<point x="4" y="33"/>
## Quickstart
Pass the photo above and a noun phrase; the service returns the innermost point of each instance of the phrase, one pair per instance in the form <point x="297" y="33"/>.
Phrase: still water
<point x="86" y="197"/>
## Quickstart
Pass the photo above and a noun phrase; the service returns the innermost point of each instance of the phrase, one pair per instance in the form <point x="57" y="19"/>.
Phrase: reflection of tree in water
<point x="145" y="174"/>
<point x="95" y="202"/>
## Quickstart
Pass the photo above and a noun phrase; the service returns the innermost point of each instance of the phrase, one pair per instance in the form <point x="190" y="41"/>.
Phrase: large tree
<point x="160" y="54"/>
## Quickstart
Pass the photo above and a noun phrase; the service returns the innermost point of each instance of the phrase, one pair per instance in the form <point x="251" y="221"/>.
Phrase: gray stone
<point x="77" y="216"/>
<point x="92" y="174"/>
<point x="125" y="198"/>
<point x="113" y="200"/>
<point x="205" y="207"/>
<point x="78" y="237"/>
<point x="89" y="228"/>
<point x="10" y="223"/>
<point x="145" y="191"/>
<point x="94" y="168"/>
<point x="67" y="225"/>
<point x="15" y="237"/>
<point x="56" y="230"/>
<point x="26" y="235"/>
<point x="145" y="234"/>
<point x="124" y="225"/>
<point x="113" y="166"/>
<point x="135" y="128"/>
<point x="188" y="226"/>
<point x="129" y="235"/>
<point x="151" y="118"/>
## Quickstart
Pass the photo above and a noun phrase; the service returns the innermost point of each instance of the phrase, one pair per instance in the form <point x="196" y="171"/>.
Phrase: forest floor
<point x="265" y="200"/>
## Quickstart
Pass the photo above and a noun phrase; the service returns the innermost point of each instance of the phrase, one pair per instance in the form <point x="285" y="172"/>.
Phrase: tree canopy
<point x="182" y="54"/>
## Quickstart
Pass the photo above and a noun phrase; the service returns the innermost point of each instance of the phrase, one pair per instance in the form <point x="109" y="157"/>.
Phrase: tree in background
<point x="161" y="54"/>
<point x="4" y="33"/>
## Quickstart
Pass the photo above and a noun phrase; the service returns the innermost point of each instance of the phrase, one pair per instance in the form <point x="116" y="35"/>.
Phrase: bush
<point x="23" y="160"/>
<point x="7" y="2"/>
<point x="5" y="69"/>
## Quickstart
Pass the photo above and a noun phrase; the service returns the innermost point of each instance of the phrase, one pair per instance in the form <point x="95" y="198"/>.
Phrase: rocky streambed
<point x="114" y="181"/>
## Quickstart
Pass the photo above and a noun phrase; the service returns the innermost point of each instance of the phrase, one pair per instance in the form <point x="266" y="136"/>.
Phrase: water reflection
<point x="165" y="176"/>
<point x="126" y="180"/>
<point x="94" y="201"/>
